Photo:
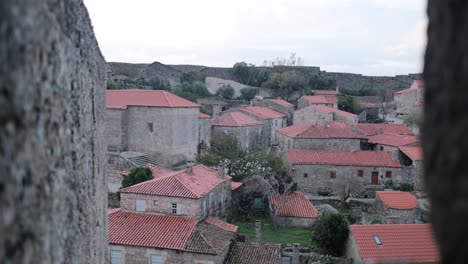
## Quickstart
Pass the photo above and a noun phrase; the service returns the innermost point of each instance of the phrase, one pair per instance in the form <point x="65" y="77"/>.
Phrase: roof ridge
<point x="185" y="186"/>
<point x="167" y="99"/>
<point x="206" y="240"/>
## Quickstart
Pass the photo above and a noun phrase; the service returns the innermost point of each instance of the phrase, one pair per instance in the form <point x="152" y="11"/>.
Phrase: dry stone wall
<point x="53" y="200"/>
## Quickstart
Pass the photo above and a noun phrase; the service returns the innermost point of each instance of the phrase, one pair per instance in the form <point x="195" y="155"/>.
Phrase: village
<point x="252" y="181"/>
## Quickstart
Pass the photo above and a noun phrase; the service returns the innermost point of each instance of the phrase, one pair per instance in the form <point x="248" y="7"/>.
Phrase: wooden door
<point x="375" y="178"/>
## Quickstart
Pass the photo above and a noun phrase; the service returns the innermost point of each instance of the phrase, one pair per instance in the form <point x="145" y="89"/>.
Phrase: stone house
<point x="342" y="171"/>
<point x="247" y="130"/>
<point x="411" y="159"/>
<point x="279" y="105"/>
<point x="271" y="120"/>
<point x="198" y="191"/>
<point x="142" y="238"/>
<point x="314" y="113"/>
<point x="258" y="253"/>
<point x="327" y="93"/>
<point x="204" y="131"/>
<point x="157" y="123"/>
<point x="393" y="243"/>
<point x="369" y="111"/>
<point x="375" y="129"/>
<point x="293" y="209"/>
<point x="213" y="105"/>
<point x="391" y="142"/>
<point x="395" y="207"/>
<point x="307" y="100"/>
<point x="320" y="135"/>
<point x="410" y="99"/>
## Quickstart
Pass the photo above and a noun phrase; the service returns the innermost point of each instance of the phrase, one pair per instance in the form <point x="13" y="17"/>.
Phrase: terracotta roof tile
<point x="180" y="183"/>
<point x="262" y="112"/>
<point x="281" y="102"/>
<point x="332" y="129"/>
<point x="293" y="205"/>
<point x="209" y="239"/>
<point x="235" y="119"/>
<point x="405" y="91"/>
<point x="327" y="109"/>
<point x="414" y="153"/>
<point x="221" y="224"/>
<point x="120" y="99"/>
<point x="149" y="230"/>
<point x="316" y="99"/>
<point x="373" y="129"/>
<point x="393" y="139"/>
<point x="235" y="185"/>
<point x="343" y="158"/>
<point x="203" y="116"/>
<point x="248" y="253"/>
<point x="408" y="243"/>
<point x="398" y="200"/>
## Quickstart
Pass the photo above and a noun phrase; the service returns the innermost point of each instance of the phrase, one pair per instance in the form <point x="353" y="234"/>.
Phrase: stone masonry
<point x="52" y="150"/>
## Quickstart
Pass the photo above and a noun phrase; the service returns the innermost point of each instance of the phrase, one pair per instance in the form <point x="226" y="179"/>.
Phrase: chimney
<point x="189" y="169"/>
<point x="295" y="255"/>
<point x="221" y="171"/>
<point x="337" y="89"/>
<point x="322" y="122"/>
<point x="258" y="231"/>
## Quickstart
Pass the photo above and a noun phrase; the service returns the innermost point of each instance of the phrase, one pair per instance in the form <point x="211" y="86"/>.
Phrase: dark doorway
<point x="375" y="178"/>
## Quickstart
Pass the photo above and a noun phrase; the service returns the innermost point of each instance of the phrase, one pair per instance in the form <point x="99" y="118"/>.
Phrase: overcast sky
<point x="373" y="37"/>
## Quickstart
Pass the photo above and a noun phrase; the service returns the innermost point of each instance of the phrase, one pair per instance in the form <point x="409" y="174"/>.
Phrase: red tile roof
<point x="235" y="119"/>
<point x="327" y="109"/>
<point x="180" y="183"/>
<point x="149" y="230"/>
<point x="325" y="92"/>
<point x="373" y="129"/>
<point x="405" y="243"/>
<point x="342" y="158"/>
<point x="235" y="185"/>
<point x="120" y="99"/>
<point x="281" y="102"/>
<point x="248" y="253"/>
<point x="262" y="112"/>
<point x="332" y="129"/>
<point x="203" y="116"/>
<point x="221" y="224"/>
<point x="317" y="99"/>
<point x="156" y="170"/>
<point x="392" y="139"/>
<point x="414" y="153"/>
<point x="419" y="83"/>
<point x="405" y="91"/>
<point x="293" y="205"/>
<point x="398" y="200"/>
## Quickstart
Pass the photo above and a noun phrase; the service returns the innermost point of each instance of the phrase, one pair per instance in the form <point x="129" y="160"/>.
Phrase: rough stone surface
<point x="445" y="125"/>
<point x="52" y="185"/>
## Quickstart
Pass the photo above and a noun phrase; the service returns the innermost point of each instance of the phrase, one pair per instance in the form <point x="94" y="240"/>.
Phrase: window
<point x="381" y="148"/>
<point x="176" y="208"/>
<point x="306" y="175"/>
<point x="150" y="127"/>
<point x="333" y="175"/>
<point x="155" y="202"/>
<point x="116" y="257"/>
<point x="360" y="173"/>
<point x="156" y="259"/>
<point x="388" y="174"/>
<point x="140" y="205"/>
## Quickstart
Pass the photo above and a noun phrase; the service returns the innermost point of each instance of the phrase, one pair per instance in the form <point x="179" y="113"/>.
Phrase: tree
<point x="287" y="82"/>
<point x="245" y="73"/>
<point x="226" y="92"/>
<point x="346" y="103"/>
<point x="330" y="233"/>
<point x="137" y="175"/>
<point x="248" y="93"/>
<point x="112" y="85"/>
<point x="413" y="119"/>
<point x="321" y="82"/>
<point x="193" y="76"/>
<point x="192" y="91"/>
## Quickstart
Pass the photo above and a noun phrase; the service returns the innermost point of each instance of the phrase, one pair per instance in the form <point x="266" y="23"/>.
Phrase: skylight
<point x="377" y="240"/>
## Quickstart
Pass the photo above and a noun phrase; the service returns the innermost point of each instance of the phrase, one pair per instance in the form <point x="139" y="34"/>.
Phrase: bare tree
<point x="293" y="60"/>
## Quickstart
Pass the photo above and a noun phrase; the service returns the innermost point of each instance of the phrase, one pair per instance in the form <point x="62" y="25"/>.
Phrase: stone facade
<point x="169" y="135"/>
<point x="315" y="178"/>
<point x="396" y="216"/>
<point x="311" y="114"/>
<point x="52" y="148"/>
<point x="410" y="99"/>
<point x="288" y="111"/>
<point x="142" y="255"/>
<point x="215" y="203"/>
<point x="246" y="135"/>
<point x="286" y="143"/>
<point x="204" y="132"/>
<point x="303" y="102"/>
<point x="269" y="128"/>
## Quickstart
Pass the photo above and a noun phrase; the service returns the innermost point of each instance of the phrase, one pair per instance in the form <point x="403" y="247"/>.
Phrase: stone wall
<point x="396" y="216"/>
<point x="204" y="131"/>
<point x="352" y="250"/>
<point x="216" y="203"/>
<point x="142" y="255"/>
<point x="285" y="143"/>
<point x="303" y="102"/>
<point x="318" y="177"/>
<point x="52" y="151"/>
<point x="247" y="136"/>
<point x="289" y="111"/>
<point x="310" y="115"/>
<point x="294" y="221"/>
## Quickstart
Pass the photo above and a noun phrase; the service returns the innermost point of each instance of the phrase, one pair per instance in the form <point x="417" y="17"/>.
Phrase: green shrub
<point x="406" y="187"/>
<point x="226" y="92"/>
<point x="376" y="221"/>
<point x="137" y="175"/>
<point x="248" y="93"/>
<point x="331" y="232"/>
